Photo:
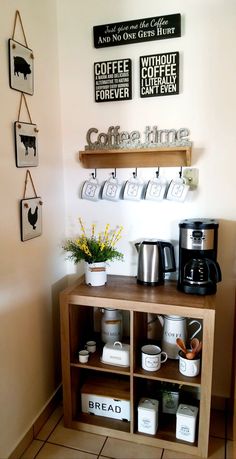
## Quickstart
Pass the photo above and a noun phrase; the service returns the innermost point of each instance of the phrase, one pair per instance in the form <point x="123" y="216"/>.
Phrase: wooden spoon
<point x="194" y="343"/>
<point x="196" y="347"/>
<point x="190" y="355"/>
<point x="181" y="345"/>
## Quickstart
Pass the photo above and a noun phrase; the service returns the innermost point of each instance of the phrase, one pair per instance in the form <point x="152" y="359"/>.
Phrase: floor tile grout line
<point x="44" y="443"/>
<point x="59" y="420"/>
<point x="102" y="447"/>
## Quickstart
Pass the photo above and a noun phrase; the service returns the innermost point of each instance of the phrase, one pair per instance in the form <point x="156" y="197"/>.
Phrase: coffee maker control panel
<point x="197" y="239"/>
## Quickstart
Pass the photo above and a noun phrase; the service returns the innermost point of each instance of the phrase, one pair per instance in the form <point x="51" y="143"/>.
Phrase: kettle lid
<point x="150" y="241"/>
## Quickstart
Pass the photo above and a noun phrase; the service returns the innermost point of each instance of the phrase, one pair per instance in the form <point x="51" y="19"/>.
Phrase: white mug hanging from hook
<point x="178" y="189"/>
<point x="133" y="188"/>
<point x="111" y="188"/>
<point x="156" y="188"/>
<point x="91" y="188"/>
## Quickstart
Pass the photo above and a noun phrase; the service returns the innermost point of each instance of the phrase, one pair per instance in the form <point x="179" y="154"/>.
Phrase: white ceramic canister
<point x="148" y="416"/>
<point x="186" y="419"/>
<point x="111" y="325"/>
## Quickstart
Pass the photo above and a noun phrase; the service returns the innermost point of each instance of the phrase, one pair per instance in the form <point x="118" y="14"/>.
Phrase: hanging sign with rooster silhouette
<point x="31" y="213"/>
<point x="31" y="218"/>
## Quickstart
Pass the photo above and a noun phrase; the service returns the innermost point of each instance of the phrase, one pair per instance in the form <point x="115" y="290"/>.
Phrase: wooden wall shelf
<point x="140" y="157"/>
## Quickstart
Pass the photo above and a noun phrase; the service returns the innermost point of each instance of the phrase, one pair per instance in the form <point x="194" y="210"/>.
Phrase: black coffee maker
<point x="199" y="271"/>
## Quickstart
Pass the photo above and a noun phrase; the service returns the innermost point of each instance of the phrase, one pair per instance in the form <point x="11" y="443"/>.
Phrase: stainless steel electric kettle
<point x="155" y="258"/>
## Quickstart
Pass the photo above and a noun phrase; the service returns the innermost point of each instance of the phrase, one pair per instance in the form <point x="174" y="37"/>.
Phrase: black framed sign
<point x="21" y="67"/>
<point x="26" y="144"/>
<point x="136" y="31"/>
<point x="31" y="218"/>
<point x="159" y="74"/>
<point x="113" y="80"/>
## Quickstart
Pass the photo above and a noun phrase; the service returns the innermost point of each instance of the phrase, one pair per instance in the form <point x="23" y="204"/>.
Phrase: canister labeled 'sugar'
<point x="111" y="325"/>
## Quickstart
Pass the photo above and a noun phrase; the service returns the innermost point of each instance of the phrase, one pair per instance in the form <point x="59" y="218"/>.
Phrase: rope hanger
<point x="29" y="176"/>
<point x="23" y="98"/>
<point x="18" y="16"/>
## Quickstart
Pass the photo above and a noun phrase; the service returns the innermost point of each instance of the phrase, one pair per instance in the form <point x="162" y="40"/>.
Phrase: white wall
<point x="30" y="271"/>
<point x="206" y="105"/>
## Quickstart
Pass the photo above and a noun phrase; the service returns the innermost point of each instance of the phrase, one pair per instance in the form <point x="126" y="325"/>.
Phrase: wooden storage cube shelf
<point x="77" y="326"/>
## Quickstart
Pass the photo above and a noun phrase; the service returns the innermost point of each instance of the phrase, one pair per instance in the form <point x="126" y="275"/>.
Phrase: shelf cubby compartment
<point x="103" y="393"/>
<point x="166" y="430"/>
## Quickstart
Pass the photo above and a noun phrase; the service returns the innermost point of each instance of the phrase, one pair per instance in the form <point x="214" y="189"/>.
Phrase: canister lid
<point x="148" y="404"/>
<point x="187" y="410"/>
<point x="199" y="223"/>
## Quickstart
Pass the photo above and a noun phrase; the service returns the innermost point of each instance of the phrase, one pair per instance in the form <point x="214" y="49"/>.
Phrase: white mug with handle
<point x="91" y="189"/>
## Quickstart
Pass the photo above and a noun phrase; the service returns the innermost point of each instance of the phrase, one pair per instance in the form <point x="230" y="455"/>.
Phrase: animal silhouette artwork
<point x="28" y="142"/>
<point x="21" y="66"/>
<point x="33" y="217"/>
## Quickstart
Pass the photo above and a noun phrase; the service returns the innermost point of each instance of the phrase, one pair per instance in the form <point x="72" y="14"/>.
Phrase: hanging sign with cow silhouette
<point x="21" y="67"/>
<point x="26" y="144"/>
<point x="31" y="218"/>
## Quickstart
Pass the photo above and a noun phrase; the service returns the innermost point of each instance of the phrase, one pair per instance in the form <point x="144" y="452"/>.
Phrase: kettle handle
<point x="169" y="246"/>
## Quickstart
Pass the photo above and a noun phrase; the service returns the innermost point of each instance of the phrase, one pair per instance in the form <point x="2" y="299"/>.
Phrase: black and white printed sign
<point x="136" y="31"/>
<point x="113" y="80"/>
<point x="159" y="74"/>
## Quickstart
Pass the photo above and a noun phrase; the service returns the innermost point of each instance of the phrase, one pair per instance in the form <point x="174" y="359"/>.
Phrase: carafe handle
<point x="198" y="330"/>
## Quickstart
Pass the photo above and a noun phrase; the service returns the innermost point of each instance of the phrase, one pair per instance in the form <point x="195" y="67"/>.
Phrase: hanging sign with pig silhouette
<point x="21" y="67"/>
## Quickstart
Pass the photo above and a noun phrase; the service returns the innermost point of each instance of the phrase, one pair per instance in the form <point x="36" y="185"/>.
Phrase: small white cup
<point x="83" y="356"/>
<point x="111" y="189"/>
<point x="156" y="189"/>
<point x="189" y="367"/>
<point x="152" y="357"/>
<point x="91" y="346"/>
<point x="91" y="189"/>
<point x="133" y="189"/>
<point x="177" y="190"/>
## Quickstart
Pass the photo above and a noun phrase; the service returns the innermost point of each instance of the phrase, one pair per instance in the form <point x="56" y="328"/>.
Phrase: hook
<point x="180" y="172"/>
<point x="157" y="172"/>
<point x="114" y="174"/>
<point x="135" y="173"/>
<point x="94" y="174"/>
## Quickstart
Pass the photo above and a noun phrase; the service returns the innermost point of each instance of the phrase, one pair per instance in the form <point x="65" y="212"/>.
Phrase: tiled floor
<point x="54" y="441"/>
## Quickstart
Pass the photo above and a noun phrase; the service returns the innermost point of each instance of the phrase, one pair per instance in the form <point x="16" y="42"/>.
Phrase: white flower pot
<point x="95" y="274"/>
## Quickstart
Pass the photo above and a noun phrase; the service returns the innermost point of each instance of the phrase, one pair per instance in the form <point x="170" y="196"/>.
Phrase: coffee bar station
<point x="137" y="352"/>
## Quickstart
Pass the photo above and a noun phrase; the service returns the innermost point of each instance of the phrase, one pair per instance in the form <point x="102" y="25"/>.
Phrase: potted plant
<point x="95" y="250"/>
